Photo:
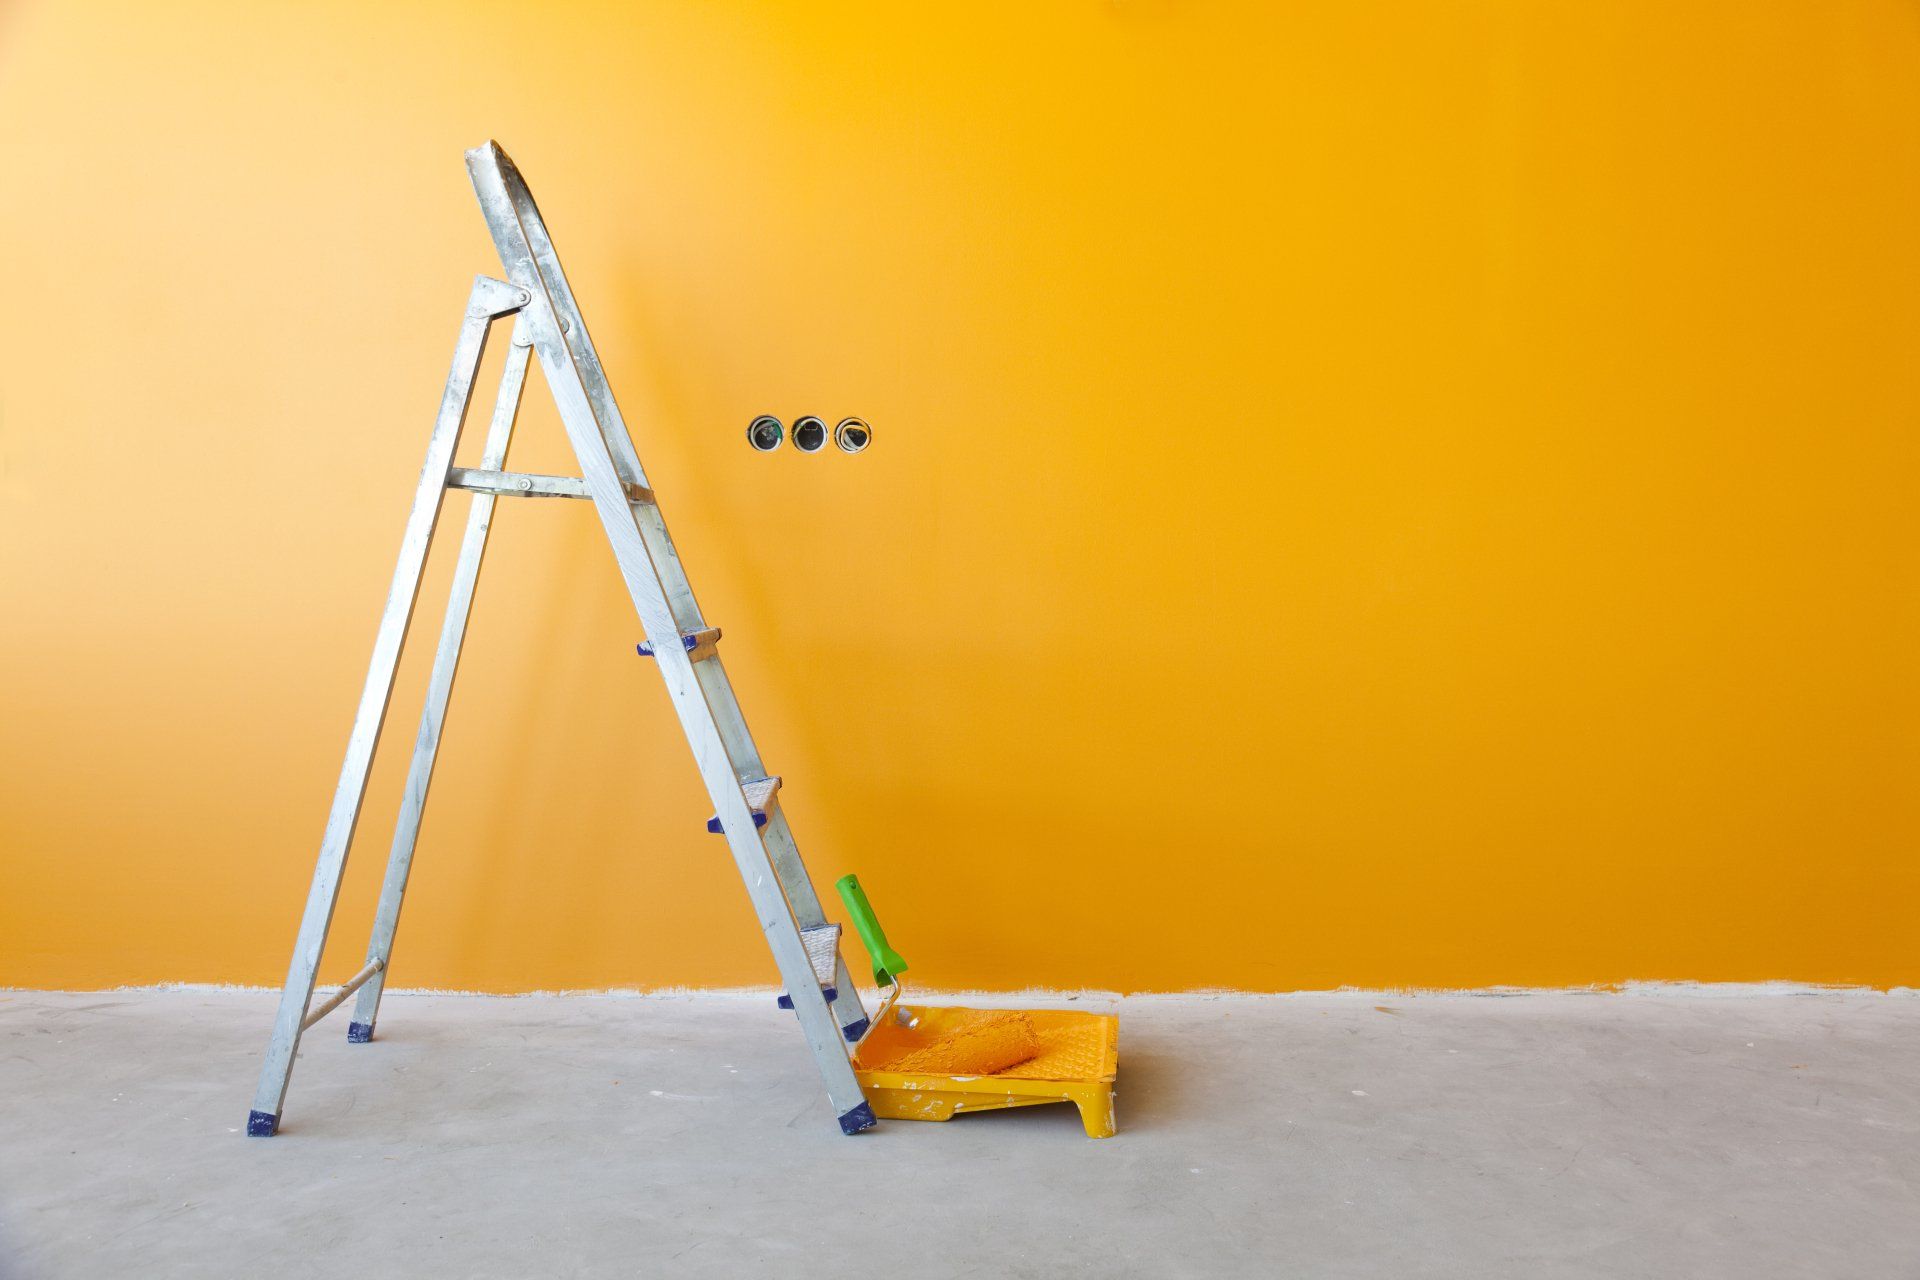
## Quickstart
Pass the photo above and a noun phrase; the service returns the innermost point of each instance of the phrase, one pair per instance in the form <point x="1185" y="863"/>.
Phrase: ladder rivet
<point x="525" y="483"/>
<point x="525" y="297"/>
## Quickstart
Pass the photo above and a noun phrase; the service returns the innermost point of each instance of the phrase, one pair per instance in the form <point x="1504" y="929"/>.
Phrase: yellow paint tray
<point x="1078" y="1059"/>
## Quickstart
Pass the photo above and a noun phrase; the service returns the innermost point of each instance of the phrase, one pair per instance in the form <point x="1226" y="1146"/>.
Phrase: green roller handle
<point x="886" y="961"/>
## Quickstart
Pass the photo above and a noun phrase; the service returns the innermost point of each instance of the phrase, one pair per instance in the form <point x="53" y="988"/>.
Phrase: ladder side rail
<point x="512" y="200"/>
<point x="711" y="756"/>
<point x="809" y="914"/>
<point x="513" y="203"/>
<point x="781" y="846"/>
<point x="433" y="713"/>
<point x="778" y="836"/>
<point x="488" y="299"/>
<point x="626" y="529"/>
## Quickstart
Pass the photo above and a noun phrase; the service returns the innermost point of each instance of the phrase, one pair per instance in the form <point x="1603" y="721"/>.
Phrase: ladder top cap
<point x="490" y="160"/>
<point x="488" y="152"/>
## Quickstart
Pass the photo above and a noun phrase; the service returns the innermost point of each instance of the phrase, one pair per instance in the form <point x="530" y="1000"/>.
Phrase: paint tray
<point x="1078" y="1059"/>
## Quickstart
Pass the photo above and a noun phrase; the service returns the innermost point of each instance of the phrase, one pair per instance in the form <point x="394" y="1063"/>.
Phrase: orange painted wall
<point x="1365" y="493"/>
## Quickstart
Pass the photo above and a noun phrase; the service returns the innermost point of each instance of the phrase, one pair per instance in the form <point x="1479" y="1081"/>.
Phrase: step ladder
<point x="547" y="323"/>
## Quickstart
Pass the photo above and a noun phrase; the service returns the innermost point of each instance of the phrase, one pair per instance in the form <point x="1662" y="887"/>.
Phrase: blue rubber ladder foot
<point x="861" y="1117"/>
<point x="359" y="1033"/>
<point x="264" y="1124"/>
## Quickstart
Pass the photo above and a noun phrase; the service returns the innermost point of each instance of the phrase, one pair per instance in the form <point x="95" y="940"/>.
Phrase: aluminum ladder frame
<point x="547" y="323"/>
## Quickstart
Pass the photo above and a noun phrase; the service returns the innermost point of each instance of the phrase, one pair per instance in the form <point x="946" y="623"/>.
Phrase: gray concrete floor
<point x="1335" y="1135"/>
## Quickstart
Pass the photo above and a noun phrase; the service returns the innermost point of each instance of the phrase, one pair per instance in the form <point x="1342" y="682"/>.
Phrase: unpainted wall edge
<point x="1664" y="989"/>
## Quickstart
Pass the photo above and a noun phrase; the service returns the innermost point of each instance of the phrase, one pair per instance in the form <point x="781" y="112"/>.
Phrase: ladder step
<point x="524" y="484"/>
<point x="823" y="953"/>
<point x="760" y="794"/>
<point x="698" y="644"/>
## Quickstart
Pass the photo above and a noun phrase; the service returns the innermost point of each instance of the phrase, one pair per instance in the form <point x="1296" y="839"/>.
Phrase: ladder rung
<point x="698" y="644"/>
<point x="759" y="799"/>
<point x="525" y="484"/>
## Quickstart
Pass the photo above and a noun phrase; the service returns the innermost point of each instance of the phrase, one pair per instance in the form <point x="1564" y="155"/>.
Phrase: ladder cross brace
<point x="523" y="484"/>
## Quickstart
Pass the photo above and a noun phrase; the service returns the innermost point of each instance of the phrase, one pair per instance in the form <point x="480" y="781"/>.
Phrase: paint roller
<point x="990" y="1041"/>
<point x="975" y="1044"/>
